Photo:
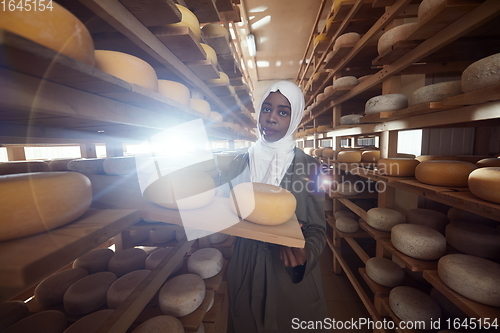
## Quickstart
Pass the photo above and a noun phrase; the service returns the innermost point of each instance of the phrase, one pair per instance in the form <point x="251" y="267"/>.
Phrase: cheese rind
<point x="190" y="20"/>
<point x="160" y="324"/>
<point x="124" y="286"/>
<point x="474" y="239"/>
<point x="94" y="261"/>
<point x="346" y="81"/>
<point x="383" y="219"/>
<point x="349" y="38"/>
<point x="127" y="260"/>
<point x="397" y="167"/>
<point x="488" y="162"/>
<point x="37" y="202"/>
<point x="388" y="102"/>
<point x="206" y="262"/>
<point x="87" y="165"/>
<point x="385" y="272"/>
<point x="13" y="167"/>
<point x="412" y="305"/>
<point x="350" y="119"/>
<point x="418" y="241"/>
<point x="174" y="90"/>
<point x="481" y="74"/>
<point x="200" y="105"/>
<point x="428" y="217"/>
<point x="394" y="35"/>
<point x="346" y="156"/>
<point x="370" y="156"/>
<point x="435" y="92"/>
<point x="444" y="173"/>
<point x="485" y="182"/>
<point x="157" y="256"/>
<point x="210" y="53"/>
<point x="346" y="225"/>
<point x="51" y="290"/>
<point x="182" y="295"/>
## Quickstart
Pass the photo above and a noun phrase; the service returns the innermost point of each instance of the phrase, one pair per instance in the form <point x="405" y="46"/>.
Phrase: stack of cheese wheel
<point x="94" y="261"/>
<point x="428" y="217"/>
<point x="182" y="295"/>
<point x="127" y="260"/>
<point x="385" y="272"/>
<point x="388" y="102"/>
<point x="87" y="165"/>
<point x="444" y="173"/>
<point x="488" y="162"/>
<point x="347" y="156"/>
<point x="124" y="286"/>
<point x="51" y="290"/>
<point x="189" y="20"/>
<point x="262" y="203"/>
<point x="418" y="241"/>
<point x="484" y="183"/>
<point x="472" y="277"/>
<point x="201" y="106"/>
<point x="69" y="36"/>
<point x="397" y="167"/>
<point x="181" y="189"/>
<point x="11" y="312"/>
<point x="481" y="74"/>
<point x="351" y="119"/>
<point x="394" y="35"/>
<point x="412" y="305"/>
<point x="435" y="92"/>
<point x="346" y="40"/>
<point x="37" y="202"/>
<point x="127" y="67"/>
<point x="160" y="324"/>
<point x="158" y="256"/>
<point x="174" y="90"/>
<point x="475" y="239"/>
<point x="384" y="219"/>
<point x="206" y="262"/>
<point x="370" y="156"/>
<point x="89" y="323"/>
<point x="47" y="321"/>
<point x="13" y="167"/>
<point x="122" y="165"/>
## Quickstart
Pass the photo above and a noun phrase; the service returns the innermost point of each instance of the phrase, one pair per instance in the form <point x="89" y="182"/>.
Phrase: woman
<point x="274" y="288"/>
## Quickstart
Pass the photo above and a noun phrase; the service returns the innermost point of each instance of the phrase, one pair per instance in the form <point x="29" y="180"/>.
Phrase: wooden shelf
<point x="27" y="261"/>
<point x="377" y="289"/>
<point x="374" y="233"/>
<point x="412" y="264"/>
<point x="387" y="307"/>
<point x="416" y="110"/>
<point x="471" y="308"/>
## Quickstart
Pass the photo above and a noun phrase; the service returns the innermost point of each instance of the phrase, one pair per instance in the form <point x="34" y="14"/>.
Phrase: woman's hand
<point x="293" y="256"/>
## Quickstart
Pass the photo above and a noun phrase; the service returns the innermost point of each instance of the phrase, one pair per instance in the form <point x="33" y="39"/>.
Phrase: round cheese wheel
<point x="217" y="238"/>
<point x="328" y="90"/>
<point x="350" y="119"/>
<point x="222" y="80"/>
<point x="161" y="235"/>
<point x="49" y="321"/>
<point x="328" y="152"/>
<point x="397" y="167"/>
<point x="394" y="35"/>
<point x="88" y="294"/>
<point x="160" y="324"/>
<point x="319" y="152"/>
<point x="57" y="29"/>
<point x="119" y="165"/>
<point x="481" y="74"/>
<point x="411" y="304"/>
<point x="346" y="225"/>
<point x="262" y="203"/>
<point x="319" y="98"/>
<point x="89" y="323"/>
<point x="383" y="219"/>
<point x="182" y="295"/>
<point x="87" y="165"/>
<point x="385" y="272"/>
<point x="346" y="81"/>
<point x="435" y="92"/>
<point x="51" y="290"/>
<point x="13" y="167"/>
<point x="157" y="256"/>
<point x="344" y="213"/>
<point x="181" y="189"/>
<point x="175" y="90"/>
<point x="38" y="202"/>
<point x="347" y="188"/>
<point x="347" y="39"/>
<point x="214" y="30"/>
<point x="388" y="102"/>
<point x="216" y="116"/>
<point x="370" y="156"/>
<point x="470" y="158"/>
<point x="11" y="312"/>
<point x="427" y="6"/>
<point x="347" y="156"/>
<point x="210" y="53"/>
<point x="59" y="164"/>
<point x="189" y="20"/>
<point x="472" y="277"/>
<point x="138" y="235"/>
<point x="444" y="173"/>
<point x="418" y="241"/>
<point x="127" y="67"/>
<point x="127" y="260"/>
<point x="475" y="239"/>
<point x="428" y="217"/>
<point x="424" y="158"/>
<point x="200" y="105"/>
<point x="124" y="286"/>
<point x="484" y="183"/>
<point x="94" y="261"/>
<point x="488" y="162"/>
<point x="206" y="262"/>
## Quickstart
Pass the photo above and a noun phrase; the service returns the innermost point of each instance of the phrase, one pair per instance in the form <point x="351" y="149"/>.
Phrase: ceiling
<point x="282" y="29"/>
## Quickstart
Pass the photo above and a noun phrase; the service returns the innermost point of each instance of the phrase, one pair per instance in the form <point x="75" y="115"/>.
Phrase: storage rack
<point x="453" y="36"/>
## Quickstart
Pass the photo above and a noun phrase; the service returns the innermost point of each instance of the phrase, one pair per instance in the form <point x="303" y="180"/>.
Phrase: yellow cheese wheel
<point x="210" y="53"/>
<point x="37" y="202"/>
<point x="470" y="158"/>
<point x="57" y="29"/>
<point x="217" y="117"/>
<point x="13" y="167"/>
<point x="346" y="156"/>
<point x="214" y="29"/>
<point x="200" y="105"/>
<point x="319" y="152"/>
<point x="223" y="79"/>
<point x="189" y="20"/>
<point x="60" y="164"/>
<point x="127" y="67"/>
<point x="488" y="162"/>
<point x="181" y="189"/>
<point x="444" y="173"/>
<point x="174" y="90"/>
<point x="424" y="158"/>
<point x="262" y="203"/>
<point x="485" y="182"/>
<point x="398" y="167"/>
<point x="328" y="152"/>
<point x="370" y="156"/>
<point x="206" y="262"/>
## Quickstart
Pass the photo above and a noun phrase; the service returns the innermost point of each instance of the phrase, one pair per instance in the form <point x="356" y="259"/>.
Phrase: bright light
<point x="262" y="64"/>
<point x="262" y="22"/>
<point x="252" y="48"/>
<point x="278" y="63"/>
<point x="259" y="9"/>
<point x="250" y="64"/>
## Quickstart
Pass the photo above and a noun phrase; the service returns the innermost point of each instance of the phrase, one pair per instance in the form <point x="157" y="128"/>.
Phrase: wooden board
<point x="181" y="41"/>
<point x="220" y="43"/>
<point x="377" y="289"/>
<point x="469" y="307"/>
<point x="153" y="12"/>
<point x="414" y="186"/>
<point x="416" y="110"/>
<point x="121" y="191"/>
<point x="374" y="233"/>
<point x="220" y="89"/>
<point x="414" y="265"/>
<point x="475" y="97"/>
<point x="28" y="260"/>
<point x="338" y="55"/>
<point x="396" y="51"/>
<point x="467" y="201"/>
<point x="204" y="69"/>
<point x="205" y="10"/>
<point x="229" y="66"/>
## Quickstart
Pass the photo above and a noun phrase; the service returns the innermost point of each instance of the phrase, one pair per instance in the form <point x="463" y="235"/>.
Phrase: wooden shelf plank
<point x="377" y="289"/>
<point x="181" y="41"/>
<point x="471" y="308"/>
<point x="220" y="44"/>
<point x="357" y="249"/>
<point x="396" y="51"/>
<point x="424" y="190"/>
<point x="28" y="260"/>
<point x="205" y="10"/>
<point x="154" y="12"/>
<point x="220" y="89"/>
<point x="475" y="97"/>
<point x="374" y="233"/>
<point x="357" y="234"/>
<point x="469" y="202"/>
<point x="414" y="265"/>
<point x="353" y="207"/>
<point x="416" y="110"/>
<point x="204" y="69"/>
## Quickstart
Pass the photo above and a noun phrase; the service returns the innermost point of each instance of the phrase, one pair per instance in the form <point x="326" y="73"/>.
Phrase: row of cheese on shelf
<point x="423" y="234"/>
<point x="103" y="279"/>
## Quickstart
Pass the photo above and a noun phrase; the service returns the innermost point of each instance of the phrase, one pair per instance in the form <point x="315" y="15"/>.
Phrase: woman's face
<point x="275" y="116"/>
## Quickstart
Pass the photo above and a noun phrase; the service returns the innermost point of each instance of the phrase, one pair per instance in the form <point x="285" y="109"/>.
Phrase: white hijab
<point x="269" y="161"/>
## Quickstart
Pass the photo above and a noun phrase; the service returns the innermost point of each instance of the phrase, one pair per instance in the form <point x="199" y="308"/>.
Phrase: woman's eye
<point x="283" y="113"/>
<point x="266" y="110"/>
